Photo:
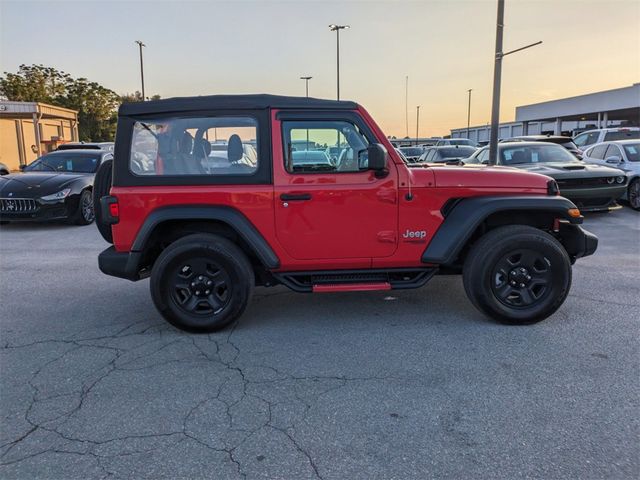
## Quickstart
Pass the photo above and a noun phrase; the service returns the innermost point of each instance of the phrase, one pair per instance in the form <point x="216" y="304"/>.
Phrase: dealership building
<point x="567" y="116"/>
<point x="29" y="129"/>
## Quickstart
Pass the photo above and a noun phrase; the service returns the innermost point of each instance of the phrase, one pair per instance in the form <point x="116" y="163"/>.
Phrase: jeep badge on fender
<point x="418" y="235"/>
<point x="203" y="218"/>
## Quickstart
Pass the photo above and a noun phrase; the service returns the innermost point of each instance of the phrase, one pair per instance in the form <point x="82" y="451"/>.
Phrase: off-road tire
<point x="492" y="292"/>
<point x="101" y="188"/>
<point x="81" y="216"/>
<point x="181" y="275"/>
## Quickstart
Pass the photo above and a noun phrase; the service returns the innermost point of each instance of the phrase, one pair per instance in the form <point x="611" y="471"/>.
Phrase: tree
<point x="97" y="109"/>
<point x="97" y="106"/>
<point x="136" y="97"/>
<point x="35" y="83"/>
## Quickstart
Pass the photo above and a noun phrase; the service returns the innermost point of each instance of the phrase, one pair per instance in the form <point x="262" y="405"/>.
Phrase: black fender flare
<point x="468" y="213"/>
<point x="230" y="216"/>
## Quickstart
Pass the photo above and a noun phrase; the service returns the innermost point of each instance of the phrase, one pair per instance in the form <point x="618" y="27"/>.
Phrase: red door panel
<point x="333" y="215"/>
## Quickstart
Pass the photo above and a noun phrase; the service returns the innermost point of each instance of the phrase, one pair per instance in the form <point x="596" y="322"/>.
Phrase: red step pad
<point x="351" y="287"/>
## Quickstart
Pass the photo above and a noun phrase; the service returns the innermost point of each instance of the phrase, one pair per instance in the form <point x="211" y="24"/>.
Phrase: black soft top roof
<point x="231" y="102"/>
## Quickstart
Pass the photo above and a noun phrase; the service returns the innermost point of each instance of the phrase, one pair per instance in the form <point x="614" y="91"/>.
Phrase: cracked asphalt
<point x="407" y="385"/>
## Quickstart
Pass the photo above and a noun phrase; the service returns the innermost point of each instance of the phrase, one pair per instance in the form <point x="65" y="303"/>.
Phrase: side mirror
<point x="22" y="167"/>
<point x="377" y="158"/>
<point x="614" y="159"/>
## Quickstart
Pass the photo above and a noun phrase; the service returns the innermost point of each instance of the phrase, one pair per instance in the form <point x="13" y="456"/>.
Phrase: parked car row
<point x="58" y="185"/>
<point x="595" y="179"/>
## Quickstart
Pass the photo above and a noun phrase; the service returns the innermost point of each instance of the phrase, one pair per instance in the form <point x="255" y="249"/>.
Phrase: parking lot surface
<point x="400" y="385"/>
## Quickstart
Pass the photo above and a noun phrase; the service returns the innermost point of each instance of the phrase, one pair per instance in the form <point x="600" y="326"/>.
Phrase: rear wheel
<point x="517" y="274"/>
<point x="201" y="283"/>
<point x="101" y="188"/>
<point x="633" y="194"/>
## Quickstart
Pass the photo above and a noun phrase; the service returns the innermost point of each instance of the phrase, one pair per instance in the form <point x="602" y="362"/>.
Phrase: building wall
<point x="29" y="141"/>
<point x="9" y="149"/>
<point x="18" y="139"/>
<point x="17" y="135"/>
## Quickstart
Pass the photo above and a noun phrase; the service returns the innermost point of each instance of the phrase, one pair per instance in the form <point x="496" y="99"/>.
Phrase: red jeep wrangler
<point x="211" y="196"/>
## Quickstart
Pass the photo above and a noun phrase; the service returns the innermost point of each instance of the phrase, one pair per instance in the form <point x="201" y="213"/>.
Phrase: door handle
<point x="292" y="197"/>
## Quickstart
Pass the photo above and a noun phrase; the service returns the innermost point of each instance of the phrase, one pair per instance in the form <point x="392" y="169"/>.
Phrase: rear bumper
<point x="577" y="241"/>
<point x="120" y="264"/>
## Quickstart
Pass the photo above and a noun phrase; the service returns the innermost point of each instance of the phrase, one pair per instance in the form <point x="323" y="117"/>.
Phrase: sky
<point x="444" y="47"/>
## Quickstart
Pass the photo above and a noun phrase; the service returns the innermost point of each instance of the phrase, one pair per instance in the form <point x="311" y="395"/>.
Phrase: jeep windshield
<point x="412" y="151"/>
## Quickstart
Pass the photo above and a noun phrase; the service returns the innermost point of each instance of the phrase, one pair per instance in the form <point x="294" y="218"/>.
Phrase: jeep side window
<point x="194" y="146"/>
<point x="324" y="146"/>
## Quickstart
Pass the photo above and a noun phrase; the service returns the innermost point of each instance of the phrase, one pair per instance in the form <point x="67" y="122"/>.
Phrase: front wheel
<point x="633" y="194"/>
<point x="85" y="213"/>
<point x="517" y="274"/>
<point x="201" y="283"/>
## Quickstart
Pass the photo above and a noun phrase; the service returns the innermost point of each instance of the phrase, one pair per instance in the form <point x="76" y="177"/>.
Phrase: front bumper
<point x="577" y="241"/>
<point x="120" y="264"/>
<point x="595" y="198"/>
<point x="43" y="213"/>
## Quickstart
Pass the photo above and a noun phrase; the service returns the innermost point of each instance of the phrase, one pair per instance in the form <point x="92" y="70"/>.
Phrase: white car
<point x="591" y="137"/>
<point x="622" y="154"/>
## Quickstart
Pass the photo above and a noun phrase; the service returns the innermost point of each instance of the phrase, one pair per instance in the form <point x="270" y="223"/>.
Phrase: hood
<point x="570" y="170"/>
<point x="37" y="184"/>
<point x="482" y="176"/>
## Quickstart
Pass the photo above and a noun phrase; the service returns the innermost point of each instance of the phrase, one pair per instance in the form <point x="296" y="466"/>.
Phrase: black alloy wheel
<point x="85" y="213"/>
<point x="88" y="213"/>
<point x="517" y="274"/>
<point x="202" y="282"/>
<point x="521" y="278"/>
<point x="201" y="286"/>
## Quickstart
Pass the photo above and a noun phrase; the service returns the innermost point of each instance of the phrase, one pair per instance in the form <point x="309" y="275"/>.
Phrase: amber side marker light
<point x="574" y="212"/>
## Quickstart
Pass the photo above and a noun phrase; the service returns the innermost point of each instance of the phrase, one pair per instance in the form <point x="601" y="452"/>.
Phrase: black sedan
<point x="56" y="186"/>
<point x="566" y="142"/>
<point x="590" y="187"/>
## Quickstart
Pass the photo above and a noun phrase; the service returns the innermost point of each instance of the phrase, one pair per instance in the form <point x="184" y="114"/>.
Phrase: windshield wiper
<point x="46" y="165"/>
<point x="146" y="127"/>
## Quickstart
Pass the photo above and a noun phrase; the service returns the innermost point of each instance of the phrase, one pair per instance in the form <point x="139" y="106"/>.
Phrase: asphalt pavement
<point x="410" y="384"/>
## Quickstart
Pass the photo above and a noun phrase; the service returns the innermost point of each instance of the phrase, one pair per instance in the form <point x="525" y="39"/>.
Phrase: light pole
<point x="497" y="76"/>
<point x="417" y="123"/>
<point x="337" y="28"/>
<point x="140" y="44"/>
<point x="469" y="112"/>
<point x="306" y="82"/>
<point x="406" y="105"/>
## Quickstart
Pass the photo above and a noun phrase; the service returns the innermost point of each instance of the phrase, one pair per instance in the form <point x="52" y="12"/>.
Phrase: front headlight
<point x="62" y="194"/>
<point x="620" y="179"/>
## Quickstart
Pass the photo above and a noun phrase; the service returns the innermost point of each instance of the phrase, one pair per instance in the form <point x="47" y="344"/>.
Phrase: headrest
<point x="235" y="151"/>
<point x="185" y="143"/>
<point x="202" y="148"/>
